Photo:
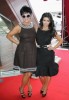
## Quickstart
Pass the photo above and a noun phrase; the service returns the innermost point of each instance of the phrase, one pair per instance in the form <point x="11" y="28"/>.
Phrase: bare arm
<point x="59" y="39"/>
<point x="16" y="30"/>
<point x="36" y="27"/>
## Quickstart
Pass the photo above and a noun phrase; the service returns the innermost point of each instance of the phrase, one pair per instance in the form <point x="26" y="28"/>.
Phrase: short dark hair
<point x="25" y="9"/>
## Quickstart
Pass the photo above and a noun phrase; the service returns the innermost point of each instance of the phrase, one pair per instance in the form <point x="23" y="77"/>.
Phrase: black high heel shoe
<point x="41" y="91"/>
<point x="43" y="95"/>
<point x="22" y="93"/>
<point x="29" y="93"/>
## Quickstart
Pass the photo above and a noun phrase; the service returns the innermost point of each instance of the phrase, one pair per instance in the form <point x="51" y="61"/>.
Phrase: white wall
<point x="40" y="6"/>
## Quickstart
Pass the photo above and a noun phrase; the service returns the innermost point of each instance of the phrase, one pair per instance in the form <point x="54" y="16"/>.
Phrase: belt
<point x="43" y="46"/>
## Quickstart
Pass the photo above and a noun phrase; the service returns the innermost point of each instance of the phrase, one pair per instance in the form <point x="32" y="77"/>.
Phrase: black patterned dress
<point x="25" y="54"/>
<point x="45" y="58"/>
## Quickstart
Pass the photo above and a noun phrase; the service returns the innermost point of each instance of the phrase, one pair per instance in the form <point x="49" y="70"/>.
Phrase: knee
<point x="28" y="74"/>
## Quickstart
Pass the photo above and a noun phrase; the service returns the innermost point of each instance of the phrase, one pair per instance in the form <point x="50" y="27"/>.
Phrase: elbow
<point x="7" y="36"/>
<point x="61" y="40"/>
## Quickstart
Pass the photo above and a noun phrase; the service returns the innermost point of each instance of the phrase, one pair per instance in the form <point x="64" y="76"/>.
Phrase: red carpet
<point x="58" y="88"/>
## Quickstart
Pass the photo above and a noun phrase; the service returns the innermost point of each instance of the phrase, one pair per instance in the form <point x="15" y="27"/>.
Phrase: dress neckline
<point x="27" y="27"/>
<point x="45" y="30"/>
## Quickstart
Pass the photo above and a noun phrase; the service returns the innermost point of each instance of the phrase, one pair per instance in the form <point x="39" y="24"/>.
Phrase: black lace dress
<point x="25" y="54"/>
<point x="45" y="58"/>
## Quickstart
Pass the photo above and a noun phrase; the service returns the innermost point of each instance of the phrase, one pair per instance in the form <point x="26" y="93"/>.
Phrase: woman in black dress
<point x="46" y="67"/>
<point x="25" y="54"/>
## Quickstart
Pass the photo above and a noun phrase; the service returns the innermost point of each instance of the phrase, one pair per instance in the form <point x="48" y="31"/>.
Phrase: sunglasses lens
<point x="26" y="16"/>
<point x="23" y="16"/>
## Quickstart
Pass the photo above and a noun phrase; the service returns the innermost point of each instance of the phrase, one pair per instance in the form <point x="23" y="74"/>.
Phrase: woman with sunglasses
<point x="46" y="67"/>
<point x="25" y="54"/>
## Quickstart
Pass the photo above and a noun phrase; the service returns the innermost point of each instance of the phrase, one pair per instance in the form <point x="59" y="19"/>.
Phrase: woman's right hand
<point x="17" y="42"/>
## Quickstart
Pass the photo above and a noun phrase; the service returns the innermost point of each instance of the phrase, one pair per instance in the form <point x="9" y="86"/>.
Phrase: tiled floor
<point x="9" y="73"/>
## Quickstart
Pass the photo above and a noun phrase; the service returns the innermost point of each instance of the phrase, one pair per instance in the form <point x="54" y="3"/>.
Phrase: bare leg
<point x="25" y="80"/>
<point x="29" y="86"/>
<point x="46" y="84"/>
<point x="42" y="81"/>
<point x="29" y="89"/>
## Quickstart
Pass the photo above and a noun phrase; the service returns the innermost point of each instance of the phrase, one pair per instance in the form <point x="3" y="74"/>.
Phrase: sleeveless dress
<point x="25" y="54"/>
<point x="45" y="58"/>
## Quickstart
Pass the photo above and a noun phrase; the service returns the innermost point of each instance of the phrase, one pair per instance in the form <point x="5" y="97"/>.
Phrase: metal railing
<point x="4" y="18"/>
<point x="1" y="15"/>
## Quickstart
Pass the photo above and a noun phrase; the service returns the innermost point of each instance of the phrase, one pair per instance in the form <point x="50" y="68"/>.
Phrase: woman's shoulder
<point x="36" y="27"/>
<point x="18" y="27"/>
<point x="53" y="32"/>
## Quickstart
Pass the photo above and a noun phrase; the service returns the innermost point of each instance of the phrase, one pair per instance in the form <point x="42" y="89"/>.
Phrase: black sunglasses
<point x="26" y="16"/>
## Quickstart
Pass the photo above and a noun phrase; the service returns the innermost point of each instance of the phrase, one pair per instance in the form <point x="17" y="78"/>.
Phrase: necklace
<point x="28" y="26"/>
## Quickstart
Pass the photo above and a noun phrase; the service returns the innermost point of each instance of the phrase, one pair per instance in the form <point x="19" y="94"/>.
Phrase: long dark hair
<point x="51" y="25"/>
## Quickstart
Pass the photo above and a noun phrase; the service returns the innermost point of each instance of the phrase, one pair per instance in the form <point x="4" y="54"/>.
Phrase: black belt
<point x="43" y="46"/>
